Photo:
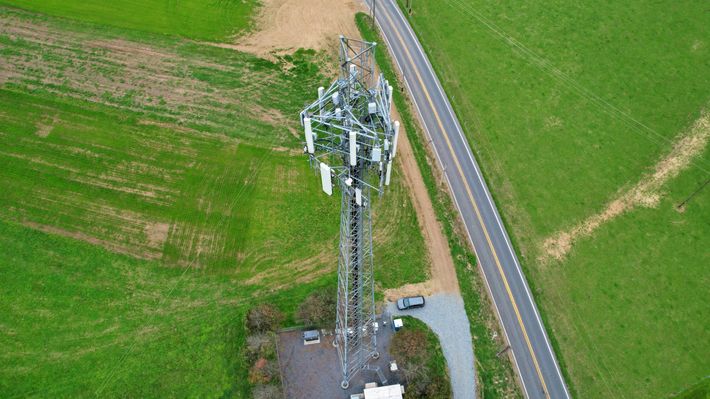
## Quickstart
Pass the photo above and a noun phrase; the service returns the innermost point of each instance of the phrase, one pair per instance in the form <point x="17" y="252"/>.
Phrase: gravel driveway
<point x="445" y="315"/>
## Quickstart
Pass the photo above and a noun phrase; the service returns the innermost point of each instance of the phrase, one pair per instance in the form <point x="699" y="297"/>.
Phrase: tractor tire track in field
<point x="160" y="82"/>
<point x="138" y="188"/>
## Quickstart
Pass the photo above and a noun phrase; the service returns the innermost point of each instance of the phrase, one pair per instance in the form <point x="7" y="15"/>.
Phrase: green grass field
<point x="627" y="306"/>
<point x="152" y="190"/>
<point x="194" y="19"/>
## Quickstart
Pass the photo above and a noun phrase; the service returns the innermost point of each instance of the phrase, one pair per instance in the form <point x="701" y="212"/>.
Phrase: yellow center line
<point x="473" y="202"/>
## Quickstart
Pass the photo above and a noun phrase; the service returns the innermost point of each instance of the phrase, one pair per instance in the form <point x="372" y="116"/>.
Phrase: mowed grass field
<point x="152" y="189"/>
<point x="215" y="20"/>
<point x="568" y="106"/>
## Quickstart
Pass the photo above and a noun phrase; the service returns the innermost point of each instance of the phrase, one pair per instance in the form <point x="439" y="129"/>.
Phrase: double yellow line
<point x="471" y="199"/>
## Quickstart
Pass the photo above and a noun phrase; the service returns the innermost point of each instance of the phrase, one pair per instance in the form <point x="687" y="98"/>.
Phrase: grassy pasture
<point x="169" y="177"/>
<point x="215" y="20"/>
<point x="80" y="320"/>
<point x="627" y="308"/>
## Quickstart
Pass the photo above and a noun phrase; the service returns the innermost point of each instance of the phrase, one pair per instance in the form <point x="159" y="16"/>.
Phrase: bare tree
<point x="267" y="392"/>
<point x="318" y="309"/>
<point x="264" y="317"/>
<point x="412" y="351"/>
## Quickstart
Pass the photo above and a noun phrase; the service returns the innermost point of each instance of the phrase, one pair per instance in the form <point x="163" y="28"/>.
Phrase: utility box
<point x="387" y="392"/>
<point x="311" y="337"/>
<point x="397" y="324"/>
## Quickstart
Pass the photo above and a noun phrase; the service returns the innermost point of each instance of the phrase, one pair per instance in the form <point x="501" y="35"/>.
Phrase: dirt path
<point x="646" y="193"/>
<point x="287" y="25"/>
<point x="443" y="274"/>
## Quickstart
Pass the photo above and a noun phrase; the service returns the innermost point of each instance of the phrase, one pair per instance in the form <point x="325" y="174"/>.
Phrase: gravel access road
<point x="446" y="316"/>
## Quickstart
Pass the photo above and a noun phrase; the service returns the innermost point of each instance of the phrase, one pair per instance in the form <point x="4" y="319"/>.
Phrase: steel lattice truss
<point x="351" y="140"/>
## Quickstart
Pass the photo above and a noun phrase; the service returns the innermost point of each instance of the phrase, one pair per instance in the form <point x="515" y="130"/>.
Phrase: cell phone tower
<point x="351" y="140"/>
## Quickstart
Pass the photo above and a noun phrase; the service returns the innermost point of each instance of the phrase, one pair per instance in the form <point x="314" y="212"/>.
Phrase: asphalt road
<point x="530" y="346"/>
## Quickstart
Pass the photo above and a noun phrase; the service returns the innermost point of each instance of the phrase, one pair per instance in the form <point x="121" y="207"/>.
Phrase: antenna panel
<point x="388" y="174"/>
<point x="325" y="179"/>
<point x="396" y="137"/>
<point x="309" y="135"/>
<point x="358" y="196"/>
<point x="353" y="148"/>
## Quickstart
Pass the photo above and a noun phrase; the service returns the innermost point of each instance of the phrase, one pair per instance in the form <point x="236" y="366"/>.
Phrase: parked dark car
<point x="410" y="302"/>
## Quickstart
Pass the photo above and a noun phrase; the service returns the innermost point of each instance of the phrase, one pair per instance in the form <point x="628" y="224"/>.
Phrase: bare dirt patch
<point x="287" y="25"/>
<point x="273" y="117"/>
<point x="426" y="288"/>
<point x="646" y="193"/>
<point x="298" y="271"/>
<point x="291" y="151"/>
<point x="443" y="274"/>
<point x="157" y="233"/>
<point x="166" y="125"/>
<point x="45" y="128"/>
<point x="78" y="235"/>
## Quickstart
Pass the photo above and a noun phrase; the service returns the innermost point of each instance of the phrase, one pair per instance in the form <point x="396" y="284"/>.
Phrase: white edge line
<point x="486" y="191"/>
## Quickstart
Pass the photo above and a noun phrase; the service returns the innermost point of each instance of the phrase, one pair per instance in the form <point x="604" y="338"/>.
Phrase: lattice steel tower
<point x="351" y="140"/>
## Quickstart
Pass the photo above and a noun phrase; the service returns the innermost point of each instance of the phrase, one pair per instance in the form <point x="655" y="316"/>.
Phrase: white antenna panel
<point x="353" y="148"/>
<point x="358" y="196"/>
<point x="309" y="135"/>
<point x="321" y="93"/>
<point x="336" y="98"/>
<point x="325" y="179"/>
<point x="396" y="137"/>
<point x="388" y="174"/>
<point x="376" y="154"/>
<point x="372" y="108"/>
<point x="338" y="113"/>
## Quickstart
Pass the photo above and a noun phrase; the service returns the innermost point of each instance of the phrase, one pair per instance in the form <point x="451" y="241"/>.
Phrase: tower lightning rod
<point x="351" y="140"/>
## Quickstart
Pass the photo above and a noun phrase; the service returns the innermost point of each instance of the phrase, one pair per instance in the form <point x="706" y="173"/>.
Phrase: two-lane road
<point x="530" y="346"/>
